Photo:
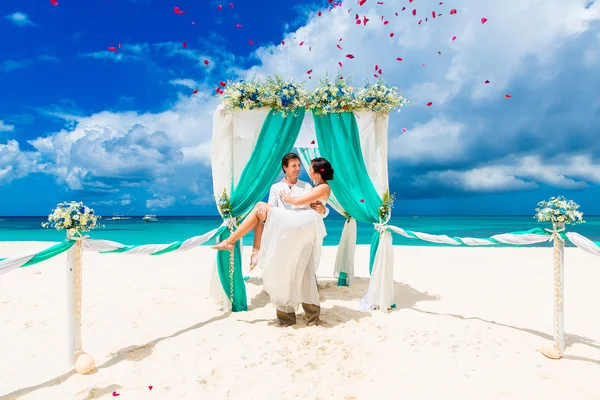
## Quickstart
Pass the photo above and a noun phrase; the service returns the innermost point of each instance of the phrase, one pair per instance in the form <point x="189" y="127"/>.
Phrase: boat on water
<point x="150" y="218"/>
<point x="119" y="217"/>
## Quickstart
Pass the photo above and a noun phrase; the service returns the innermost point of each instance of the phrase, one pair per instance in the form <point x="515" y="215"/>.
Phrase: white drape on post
<point x="234" y="137"/>
<point x="373" y="130"/>
<point x="344" y="259"/>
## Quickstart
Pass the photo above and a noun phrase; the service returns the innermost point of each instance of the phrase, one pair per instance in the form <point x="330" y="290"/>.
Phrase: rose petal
<point x="453" y="38"/>
<point x="185" y="45"/>
<point x="429" y="104"/>
<point x="195" y="91"/>
<point x="414" y="11"/>
<point x="205" y="62"/>
<point x="349" y="56"/>
<point x="220" y="7"/>
<point x="177" y="10"/>
<point x="362" y="201"/>
<point x="508" y="96"/>
<point x="54" y="2"/>
<point x="238" y="26"/>
<point x="340" y="63"/>
<point x="250" y="42"/>
<point x="486" y="81"/>
<point x="309" y="71"/>
<point x="150" y="387"/>
<point x="483" y="20"/>
<point x="399" y="59"/>
<point x="222" y="83"/>
<point x="403" y="129"/>
<point x="115" y="394"/>
<point x="113" y="49"/>
<point x="319" y="13"/>
<point x="392" y="34"/>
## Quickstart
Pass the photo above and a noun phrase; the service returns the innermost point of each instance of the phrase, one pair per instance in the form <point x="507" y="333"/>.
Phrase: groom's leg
<point x="286" y="318"/>
<point x="313" y="312"/>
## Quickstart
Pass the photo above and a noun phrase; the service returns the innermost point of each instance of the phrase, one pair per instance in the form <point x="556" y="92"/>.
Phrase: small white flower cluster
<point x="385" y="210"/>
<point x="558" y="209"/>
<point x="380" y="98"/>
<point x="72" y="216"/>
<point x="329" y="97"/>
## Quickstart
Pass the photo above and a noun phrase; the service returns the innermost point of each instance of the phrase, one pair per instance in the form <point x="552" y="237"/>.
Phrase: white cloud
<point x="189" y="83"/>
<point x="4" y="127"/>
<point x="20" y="19"/>
<point x="518" y="173"/>
<point x="15" y="163"/>
<point x="160" y="202"/>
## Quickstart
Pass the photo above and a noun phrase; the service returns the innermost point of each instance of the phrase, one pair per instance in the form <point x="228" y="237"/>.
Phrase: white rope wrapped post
<point x="559" y="286"/>
<point x="82" y="362"/>
<point x="558" y="327"/>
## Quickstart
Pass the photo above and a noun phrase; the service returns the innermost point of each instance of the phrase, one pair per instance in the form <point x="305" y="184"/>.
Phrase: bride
<point x="291" y="247"/>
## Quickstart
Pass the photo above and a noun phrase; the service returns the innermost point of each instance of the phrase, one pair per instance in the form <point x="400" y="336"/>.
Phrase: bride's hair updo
<point x="323" y="167"/>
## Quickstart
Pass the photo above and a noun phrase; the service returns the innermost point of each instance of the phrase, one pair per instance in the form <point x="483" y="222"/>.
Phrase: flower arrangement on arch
<point x="284" y="96"/>
<point x="559" y="209"/>
<point x="73" y="217"/>
<point x="245" y="94"/>
<point x="385" y="210"/>
<point x="380" y="98"/>
<point x="332" y="96"/>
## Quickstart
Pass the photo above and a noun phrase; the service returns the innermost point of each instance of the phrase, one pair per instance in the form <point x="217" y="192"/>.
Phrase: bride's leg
<point x="247" y="225"/>
<point x="258" y="231"/>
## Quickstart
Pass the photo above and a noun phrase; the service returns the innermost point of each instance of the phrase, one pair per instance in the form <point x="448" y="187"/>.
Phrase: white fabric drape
<point x="12" y="263"/>
<point x="344" y="258"/>
<point x="233" y="139"/>
<point x="583" y="243"/>
<point x="373" y="131"/>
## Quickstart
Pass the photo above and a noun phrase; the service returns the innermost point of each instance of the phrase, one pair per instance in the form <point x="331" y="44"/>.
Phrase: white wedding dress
<point x="289" y="256"/>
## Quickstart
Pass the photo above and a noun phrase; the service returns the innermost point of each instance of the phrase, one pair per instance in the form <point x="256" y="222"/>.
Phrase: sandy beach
<point x="467" y="326"/>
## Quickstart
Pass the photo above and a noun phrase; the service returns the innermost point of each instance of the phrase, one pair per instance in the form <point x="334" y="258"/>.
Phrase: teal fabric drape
<point x="339" y="143"/>
<point x="277" y="137"/>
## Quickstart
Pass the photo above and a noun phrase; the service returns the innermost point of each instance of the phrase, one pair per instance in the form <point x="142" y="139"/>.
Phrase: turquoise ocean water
<point x="169" y="229"/>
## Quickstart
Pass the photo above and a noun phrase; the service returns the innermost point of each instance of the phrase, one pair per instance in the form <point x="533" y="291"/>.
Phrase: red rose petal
<point x="54" y="2"/>
<point x="453" y="11"/>
<point x="349" y="56"/>
<point x="185" y="45"/>
<point x="414" y="11"/>
<point x="250" y="42"/>
<point x="178" y="11"/>
<point x="238" y="26"/>
<point x="220" y="7"/>
<point x="376" y="67"/>
<point x="195" y="91"/>
<point x="319" y="13"/>
<point x="508" y="96"/>
<point x="115" y="394"/>
<point x="150" y="387"/>
<point x="312" y="142"/>
<point x="486" y="81"/>
<point x="362" y="201"/>
<point x="433" y="14"/>
<point x="439" y="53"/>
<point x="429" y="104"/>
<point x="231" y="5"/>
<point x="113" y="49"/>
<point x="386" y="22"/>
<point x="339" y="47"/>
<point x="301" y="43"/>
<point x="282" y="42"/>
<point x="399" y="59"/>
<point x="392" y="34"/>
<point x="205" y="62"/>
<point x="309" y="71"/>
<point x="483" y="20"/>
<point x="453" y="38"/>
<point x="403" y="129"/>
<point x="340" y="63"/>
<point x="361" y="2"/>
<point x="379" y="70"/>
<point x="222" y="83"/>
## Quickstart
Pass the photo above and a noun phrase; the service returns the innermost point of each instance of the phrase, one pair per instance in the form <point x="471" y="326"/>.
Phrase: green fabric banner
<point x="277" y="137"/>
<point x="339" y="143"/>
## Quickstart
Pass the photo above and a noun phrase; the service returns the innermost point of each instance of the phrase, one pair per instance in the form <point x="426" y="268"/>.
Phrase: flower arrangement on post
<point x="224" y="206"/>
<point x="245" y="95"/>
<point x="330" y="97"/>
<point x="73" y="217"/>
<point x="385" y="210"/>
<point x="559" y="210"/>
<point x="380" y="98"/>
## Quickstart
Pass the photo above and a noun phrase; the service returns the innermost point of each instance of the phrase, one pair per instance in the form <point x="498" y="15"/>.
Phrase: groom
<point x="290" y="164"/>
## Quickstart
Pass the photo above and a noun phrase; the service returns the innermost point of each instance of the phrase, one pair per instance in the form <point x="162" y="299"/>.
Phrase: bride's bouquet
<point x="73" y="217"/>
<point x="380" y="98"/>
<point x="559" y="209"/>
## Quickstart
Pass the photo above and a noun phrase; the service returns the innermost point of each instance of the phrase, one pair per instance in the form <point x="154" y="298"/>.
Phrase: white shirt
<point x="297" y="190"/>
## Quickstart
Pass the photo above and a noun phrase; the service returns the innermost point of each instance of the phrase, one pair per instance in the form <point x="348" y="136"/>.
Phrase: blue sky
<point x="123" y="132"/>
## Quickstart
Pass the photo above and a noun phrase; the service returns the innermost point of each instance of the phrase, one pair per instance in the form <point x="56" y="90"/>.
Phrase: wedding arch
<point x="257" y="123"/>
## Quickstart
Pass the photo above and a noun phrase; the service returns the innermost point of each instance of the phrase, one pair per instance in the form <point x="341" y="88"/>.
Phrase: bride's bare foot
<point x="254" y="258"/>
<point x="224" y="245"/>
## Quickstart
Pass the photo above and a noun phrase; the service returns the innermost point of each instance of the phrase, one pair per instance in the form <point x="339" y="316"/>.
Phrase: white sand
<point x="468" y="323"/>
